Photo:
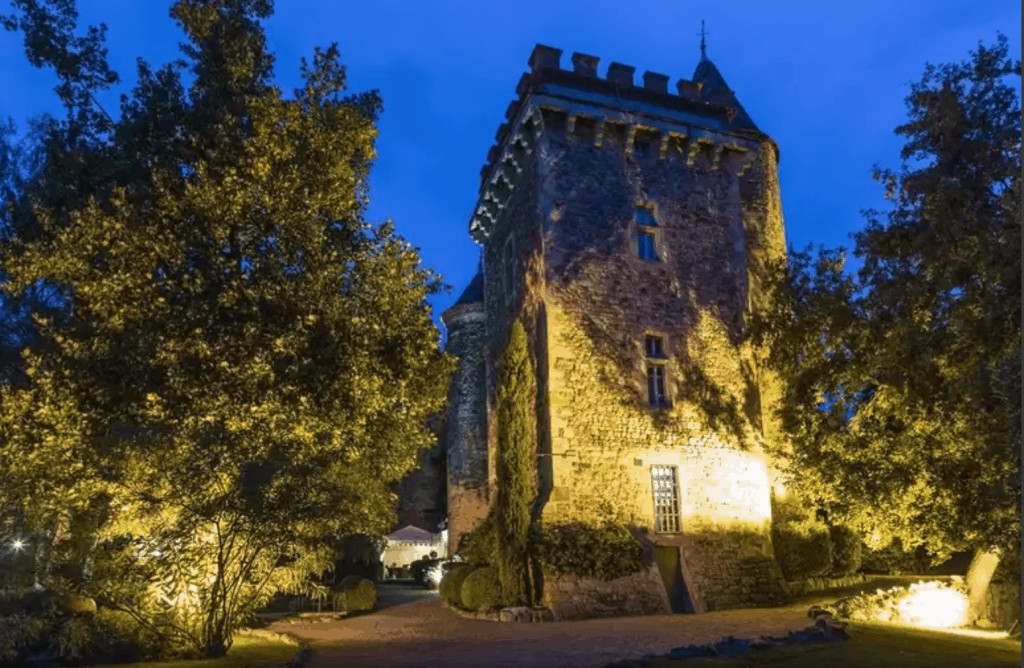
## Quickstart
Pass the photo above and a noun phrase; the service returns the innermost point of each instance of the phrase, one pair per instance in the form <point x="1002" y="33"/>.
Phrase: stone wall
<point x="571" y="597"/>
<point x="421" y="495"/>
<point x="465" y="432"/>
<point x="726" y="569"/>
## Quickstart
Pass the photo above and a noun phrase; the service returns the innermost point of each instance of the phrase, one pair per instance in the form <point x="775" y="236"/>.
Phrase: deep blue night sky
<point x="826" y="80"/>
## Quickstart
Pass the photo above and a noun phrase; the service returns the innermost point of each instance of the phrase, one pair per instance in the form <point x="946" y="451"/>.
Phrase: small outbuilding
<point x="406" y="545"/>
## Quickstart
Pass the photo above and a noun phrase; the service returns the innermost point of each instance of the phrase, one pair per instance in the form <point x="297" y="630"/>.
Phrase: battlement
<point x="546" y="59"/>
<point x="701" y="117"/>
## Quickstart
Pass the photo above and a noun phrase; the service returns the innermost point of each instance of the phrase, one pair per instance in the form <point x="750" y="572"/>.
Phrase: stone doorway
<point x="667" y="558"/>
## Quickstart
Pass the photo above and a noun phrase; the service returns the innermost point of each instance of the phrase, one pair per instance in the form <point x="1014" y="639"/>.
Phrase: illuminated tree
<point x="515" y="468"/>
<point x="903" y="399"/>
<point x="240" y="367"/>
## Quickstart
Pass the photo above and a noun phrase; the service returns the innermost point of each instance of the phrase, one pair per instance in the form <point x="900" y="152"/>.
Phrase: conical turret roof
<point x="474" y="292"/>
<point x="713" y="89"/>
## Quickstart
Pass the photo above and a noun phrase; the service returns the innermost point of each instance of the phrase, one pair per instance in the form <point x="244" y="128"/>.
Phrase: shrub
<point x="355" y="593"/>
<point x="605" y="551"/>
<point x="480" y="545"/>
<point x="417" y="568"/>
<point x="846" y="550"/>
<point x="481" y="590"/>
<point x="451" y="584"/>
<point x="44" y="625"/>
<point x="803" y="549"/>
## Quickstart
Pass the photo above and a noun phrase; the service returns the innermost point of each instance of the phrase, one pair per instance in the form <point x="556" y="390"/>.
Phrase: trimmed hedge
<point x="481" y="590"/>
<point x="355" y="593"/>
<point x="846" y="551"/>
<point x="451" y="584"/>
<point x="606" y="551"/>
<point x="802" y="549"/>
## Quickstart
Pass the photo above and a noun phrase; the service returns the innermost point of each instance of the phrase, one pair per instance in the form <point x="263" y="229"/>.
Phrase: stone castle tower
<point x="629" y="228"/>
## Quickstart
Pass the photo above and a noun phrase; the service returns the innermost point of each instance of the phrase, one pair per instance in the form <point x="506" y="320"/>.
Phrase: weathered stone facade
<point x="464" y="439"/>
<point x="611" y="215"/>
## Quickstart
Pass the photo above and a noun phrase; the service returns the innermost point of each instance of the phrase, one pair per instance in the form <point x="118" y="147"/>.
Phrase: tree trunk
<point x="979" y="575"/>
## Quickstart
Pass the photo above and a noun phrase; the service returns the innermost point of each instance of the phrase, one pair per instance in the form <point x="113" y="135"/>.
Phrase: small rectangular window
<point x="656" y="386"/>
<point x="645" y="246"/>
<point x="654" y="346"/>
<point x="665" y="483"/>
<point x="641" y="148"/>
<point x="508" y="268"/>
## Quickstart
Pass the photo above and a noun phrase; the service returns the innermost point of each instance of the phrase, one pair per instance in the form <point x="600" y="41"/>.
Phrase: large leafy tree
<point x="240" y="366"/>
<point x="903" y="400"/>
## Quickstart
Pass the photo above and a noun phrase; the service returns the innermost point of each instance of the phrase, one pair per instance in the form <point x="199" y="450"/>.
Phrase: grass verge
<point x="870" y="645"/>
<point x="247" y="651"/>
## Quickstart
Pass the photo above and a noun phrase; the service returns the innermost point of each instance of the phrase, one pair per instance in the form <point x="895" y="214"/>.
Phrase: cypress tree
<point x="516" y="394"/>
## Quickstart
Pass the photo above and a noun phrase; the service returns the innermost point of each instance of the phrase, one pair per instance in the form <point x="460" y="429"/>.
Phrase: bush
<point x="418" y="569"/>
<point x="606" y="551"/>
<point x="44" y="625"/>
<point x="846" y="551"/>
<point x="451" y="584"/>
<point x="803" y="549"/>
<point x="481" y="590"/>
<point x="480" y="546"/>
<point x="355" y="593"/>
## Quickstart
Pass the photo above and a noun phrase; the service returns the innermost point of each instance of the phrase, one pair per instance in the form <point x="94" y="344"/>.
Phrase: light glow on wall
<point x="932" y="605"/>
<point x="724" y="488"/>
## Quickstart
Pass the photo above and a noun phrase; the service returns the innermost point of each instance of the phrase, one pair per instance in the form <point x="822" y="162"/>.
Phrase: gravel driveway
<point x="412" y="628"/>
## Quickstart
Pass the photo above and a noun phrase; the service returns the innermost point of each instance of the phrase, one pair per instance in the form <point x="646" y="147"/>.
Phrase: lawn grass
<point x="246" y="652"/>
<point x="875" y="646"/>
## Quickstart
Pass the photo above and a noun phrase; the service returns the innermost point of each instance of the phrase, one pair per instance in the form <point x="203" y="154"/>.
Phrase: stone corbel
<point x="599" y="132"/>
<point x="666" y="137"/>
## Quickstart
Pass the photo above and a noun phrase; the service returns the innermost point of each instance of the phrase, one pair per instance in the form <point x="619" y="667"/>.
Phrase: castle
<point x="629" y="228"/>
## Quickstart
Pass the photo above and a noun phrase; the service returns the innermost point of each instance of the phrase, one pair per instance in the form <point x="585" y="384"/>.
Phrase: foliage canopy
<point x="240" y="366"/>
<point x="903" y="400"/>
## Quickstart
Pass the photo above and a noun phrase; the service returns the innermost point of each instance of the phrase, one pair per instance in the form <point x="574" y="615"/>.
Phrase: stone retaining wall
<point x="572" y="597"/>
<point x="800" y="587"/>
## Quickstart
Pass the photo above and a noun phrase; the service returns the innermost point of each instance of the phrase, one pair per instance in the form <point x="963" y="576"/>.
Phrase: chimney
<point x="545" y="58"/>
<point x="621" y="74"/>
<point x="656" y="82"/>
<point x="584" y="64"/>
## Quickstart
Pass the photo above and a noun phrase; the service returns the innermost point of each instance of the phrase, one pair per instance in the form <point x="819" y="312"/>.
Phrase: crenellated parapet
<point x="704" y="127"/>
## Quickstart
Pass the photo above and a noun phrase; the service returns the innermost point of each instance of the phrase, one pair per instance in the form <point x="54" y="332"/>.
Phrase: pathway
<point x="411" y="628"/>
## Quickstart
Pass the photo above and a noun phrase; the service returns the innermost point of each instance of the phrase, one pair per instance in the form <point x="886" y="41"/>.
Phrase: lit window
<point x="666" y="499"/>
